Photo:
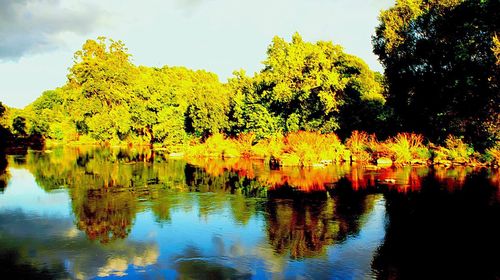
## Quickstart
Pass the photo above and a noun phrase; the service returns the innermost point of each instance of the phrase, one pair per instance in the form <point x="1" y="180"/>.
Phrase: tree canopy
<point x="304" y="86"/>
<point x="441" y="66"/>
<point x="108" y="99"/>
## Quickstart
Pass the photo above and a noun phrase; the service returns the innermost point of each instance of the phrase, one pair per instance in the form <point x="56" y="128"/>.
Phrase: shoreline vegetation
<point x="311" y="104"/>
<point x="306" y="149"/>
<point x="313" y="149"/>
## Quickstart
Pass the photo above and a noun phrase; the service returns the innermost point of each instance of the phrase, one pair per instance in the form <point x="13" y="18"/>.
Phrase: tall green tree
<point x="247" y="111"/>
<point x="441" y="68"/>
<point x="99" y="89"/>
<point x="305" y="86"/>
<point x="208" y="105"/>
<point x="5" y="134"/>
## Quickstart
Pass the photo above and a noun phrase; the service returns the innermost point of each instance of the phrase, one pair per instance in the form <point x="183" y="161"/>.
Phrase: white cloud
<point x="34" y="26"/>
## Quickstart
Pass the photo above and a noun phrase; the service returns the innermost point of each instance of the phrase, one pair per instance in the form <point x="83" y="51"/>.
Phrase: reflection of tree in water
<point x="4" y="175"/>
<point x="300" y="229"/>
<point x="105" y="185"/>
<point x="108" y="187"/>
<point x="162" y="206"/>
<point x="304" y="179"/>
<point x="226" y="181"/>
<point x="442" y="233"/>
<point x="104" y="214"/>
<point x="13" y="267"/>
<point x="242" y="205"/>
<point x="351" y="207"/>
<point x="242" y="208"/>
<point x="42" y="250"/>
<point x="304" y="225"/>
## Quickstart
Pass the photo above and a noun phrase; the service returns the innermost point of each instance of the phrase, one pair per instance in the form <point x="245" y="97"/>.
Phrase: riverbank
<point x="316" y="149"/>
<point x="313" y="149"/>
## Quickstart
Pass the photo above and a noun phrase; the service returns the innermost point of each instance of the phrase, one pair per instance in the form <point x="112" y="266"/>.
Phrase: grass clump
<point x="361" y="145"/>
<point x="215" y="146"/>
<point x="271" y="147"/>
<point x="492" y="155"/>
<point x="407" y="148"/>
<point x="455" y="150"/>
<point x="311" y="148"/>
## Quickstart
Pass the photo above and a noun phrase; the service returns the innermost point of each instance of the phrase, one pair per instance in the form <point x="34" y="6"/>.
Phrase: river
<point x="83" y="213"/>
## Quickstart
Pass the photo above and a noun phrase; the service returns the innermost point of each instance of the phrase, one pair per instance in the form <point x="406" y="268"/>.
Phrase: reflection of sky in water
<point x="22" y="192"/>
<point x="190" y="243"/>
<point x="352" y="259"/>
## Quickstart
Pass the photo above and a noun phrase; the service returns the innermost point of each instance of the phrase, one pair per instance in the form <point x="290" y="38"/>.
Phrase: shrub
<point x="245" y="143"/>
<point x="215" y="146"/>
<point x="269" y="147"/>
<point x="455" y="150"/>
<point x="360" y="144"/>
<point x="458" y="150"/>
<point x="492" y="155"/>
<point x="406" y="147"/>
<point x="313" y="147"/>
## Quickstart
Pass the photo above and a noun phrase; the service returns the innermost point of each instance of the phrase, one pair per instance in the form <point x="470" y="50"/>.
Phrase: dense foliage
<point x="107" y="99"/>
<point x="441" y="62"/>
<point x="306" y="86"/>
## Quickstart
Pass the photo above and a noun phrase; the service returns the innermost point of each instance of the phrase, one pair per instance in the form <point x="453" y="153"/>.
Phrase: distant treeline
<point x="303" y="86"/>
<point x="441" y="60"/>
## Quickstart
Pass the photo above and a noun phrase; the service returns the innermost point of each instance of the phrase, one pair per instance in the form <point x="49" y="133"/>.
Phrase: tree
<point x="19" y="125"/>
<point x="5" y="134"/>
<point x="441" y="68"/>
<point x="99" y="89"/>
<point x="208" y="106"/>
<point x="305" y="86"/>
<point x="496" y="48"/>
<point x="2" y="109"/>
<point x="364" y="104"/>
<point x="247" y="113"/>
<point x="302" y="85"/>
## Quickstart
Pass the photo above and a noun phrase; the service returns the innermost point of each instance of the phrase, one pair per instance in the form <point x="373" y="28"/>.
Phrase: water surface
<point x="84" y="213"/>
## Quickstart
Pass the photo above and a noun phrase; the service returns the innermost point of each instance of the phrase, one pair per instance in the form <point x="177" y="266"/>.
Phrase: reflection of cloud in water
<point x="192" y="264"/>
<point x="275" y="263"/>
<point x="114" y="266"/>
<point x="118" y="265"/>
<point x="51" y="241"/>
<point x="72" y="232"/>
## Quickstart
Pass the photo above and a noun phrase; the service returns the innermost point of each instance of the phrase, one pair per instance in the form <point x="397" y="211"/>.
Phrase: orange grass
<point x="304" y="148"/>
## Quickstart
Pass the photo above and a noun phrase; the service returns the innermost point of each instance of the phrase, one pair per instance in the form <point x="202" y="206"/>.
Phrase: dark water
<point x="90" y="213"/>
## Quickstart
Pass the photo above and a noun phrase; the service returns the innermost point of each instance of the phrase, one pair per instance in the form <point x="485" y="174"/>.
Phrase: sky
<point x="39" y="37"/>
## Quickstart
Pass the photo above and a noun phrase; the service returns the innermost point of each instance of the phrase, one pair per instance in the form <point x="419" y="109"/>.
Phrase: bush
<point x="360" y="144"/>
<point x="215" y="146"/>
<point x="407" y="147"/>
<point x="272" y="146"/>
<point x="455" y="150"/>
<point x="492" y="155"/>
<point x="245" y="143"/>
<point x="313" y="147"/>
